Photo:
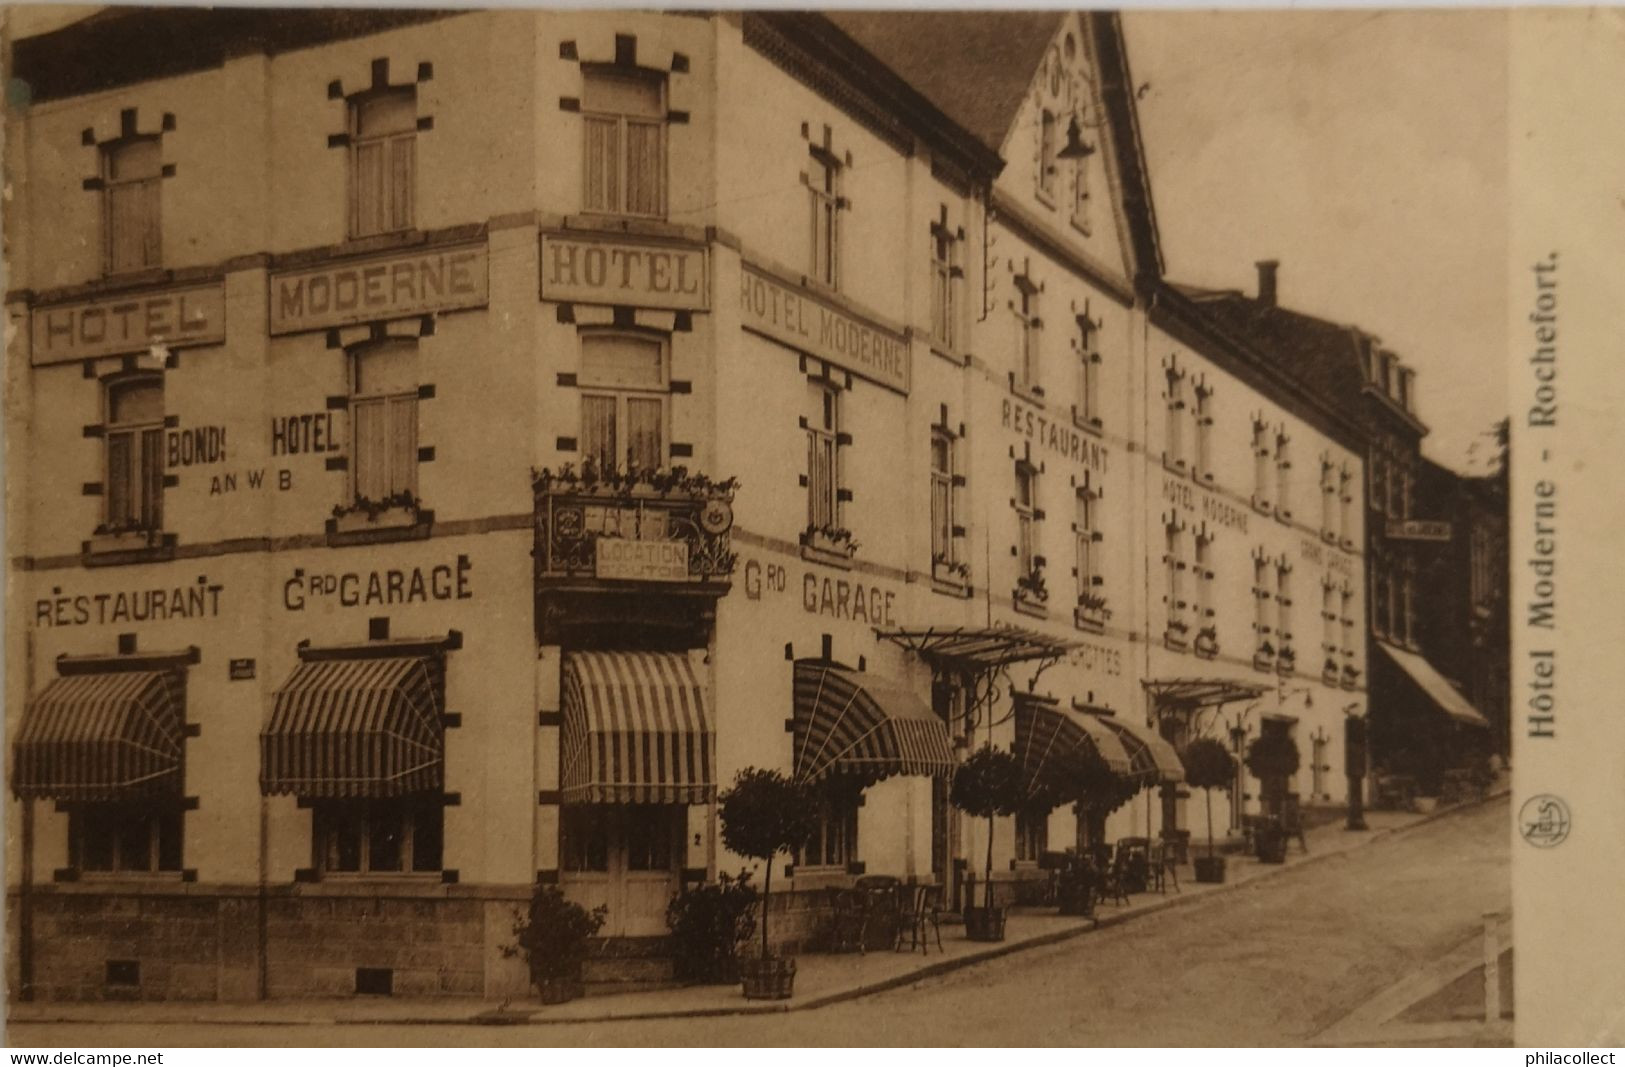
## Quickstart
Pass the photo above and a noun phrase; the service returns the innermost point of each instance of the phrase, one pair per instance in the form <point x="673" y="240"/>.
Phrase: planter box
<point x="1210" y="869"/>
<point x="770" y="979"/>
<point x="985" y="924"/>
<point x="1270" y="846"/>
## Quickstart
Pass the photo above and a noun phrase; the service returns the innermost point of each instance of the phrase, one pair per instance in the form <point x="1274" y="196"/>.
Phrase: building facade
<point x="455" y="418"/>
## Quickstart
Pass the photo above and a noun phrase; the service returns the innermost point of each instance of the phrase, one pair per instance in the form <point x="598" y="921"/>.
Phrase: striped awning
<point x="102" y="736"/>
<point x="1150" y="754"/>
<point x="1050" y="740"/>
<point x="851" y="723"/>
<point x="356" y="728"/>
<point x="636" y="730"/>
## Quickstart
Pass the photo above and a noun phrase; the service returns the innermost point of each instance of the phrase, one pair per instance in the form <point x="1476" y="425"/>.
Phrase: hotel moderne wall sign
<point x="391" y="286"/>
<point x="815" y="325"/>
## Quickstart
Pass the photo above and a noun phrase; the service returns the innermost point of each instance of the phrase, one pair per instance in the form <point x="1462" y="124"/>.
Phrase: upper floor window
<point x="135" y="456"/>
<point x="1378" y="570"/>
<point x="1328" y="498"/>
<point x="132" y="170"/>
<point x="824" y="181"/>
<point x="383" y="166"/>
<point x="1088" y="534"/>
<point x="1328" y="616"/>
<point x="1174" y="570"/>
<point x="624" y="115"/>
<point x="823" y="459"/>
<point x="1047" y="148"/>
<point x="1174" y="423"/>
<point x="1202" y="428"/>
<point x="945" y="273"/>
<point x="1261" y="463"/>
<point x="623" y="401"/>
<point x="1378" y="492"/>
<point x="1202" y="565"/>
<point x="1089" y="360"/>
<point x="942" y="498"/>
<point x="1027" y="515"/>
<point x="1283" y="601"/>
<point x="1283" y="475"/>
<point x="1261" y="603"/>
<point x="1345" y="505"/>
<point x="384" y="423"/>
<point x="1345" y="615"/>
<point x="1030" y="331"/>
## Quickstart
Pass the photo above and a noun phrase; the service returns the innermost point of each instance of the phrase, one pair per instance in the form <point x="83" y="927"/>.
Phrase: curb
<point x="505" y="1017"/>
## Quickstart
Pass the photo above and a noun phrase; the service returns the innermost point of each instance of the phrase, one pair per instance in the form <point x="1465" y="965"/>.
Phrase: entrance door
<point x="625" y="857"/>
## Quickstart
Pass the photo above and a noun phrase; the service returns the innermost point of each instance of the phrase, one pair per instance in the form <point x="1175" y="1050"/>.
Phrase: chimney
<point x="1266" y="280"/>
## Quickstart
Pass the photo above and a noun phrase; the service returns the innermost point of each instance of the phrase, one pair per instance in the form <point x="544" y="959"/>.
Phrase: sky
<point x="1366" y="150"/>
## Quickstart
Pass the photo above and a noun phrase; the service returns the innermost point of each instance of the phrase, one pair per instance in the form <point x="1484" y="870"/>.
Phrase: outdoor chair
<point x="879" y="896"/>
<point x="1292" y="821"/>
<point x="1164" y="868"/>
<point x="850" y="920"/>
<point x="1112" y="877"/>
<point x="921" y="904"/>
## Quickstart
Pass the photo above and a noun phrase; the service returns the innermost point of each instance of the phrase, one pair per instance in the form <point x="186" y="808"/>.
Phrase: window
<point x="131" y="171"/>
<point x="1346" y="616"/>
<point x="650" y="837"/>
<point x="944" y="283"/>
<point x="1088" y="409"/>
<point x="1345" y="506"/>
<point x="1261" y="603"/>
<point x="384" y="423"/>
<point x="1328" y="616"/>
<point x="135" y="457"/>
<point x="823" y="460"/>
<point x="1407" y="606"/>
<point x="942" y="497"/>
<point x="1202" y="419"/>
<point x="383" y="161"/>
<point x="1379" y="597"/>
<point x="1087" y="533"/>
<point x="1261" y="464"/>
<point x="1032" y="835"/>
<point x="1204" y="579"/>
<point x="1317" y="766"/>
<point x="1080" y="195"/>
<point x="1046" y="154"/>
<point x="395" y="836"/>
<point x="824" y="179"/>
<point x="1026" y="507"/>
<point x="1174" y="566"/>
<point x="623" y="401"/>
<point x="1379" y="481"/>
<point x="1283" y="475"/>
<point x="835" y="842"/>
<point x="1283" y="601"/>
<point x="1328" y="499"/>
<point x="624" y="115"/>
<point x="1030" y="330"/>
<point x="1174" y="429"/>
<point x="111" y="838"/>
<point x="584" y="837"/>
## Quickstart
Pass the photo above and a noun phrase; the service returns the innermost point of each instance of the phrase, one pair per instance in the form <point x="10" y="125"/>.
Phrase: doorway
<point x="624" y="856"/>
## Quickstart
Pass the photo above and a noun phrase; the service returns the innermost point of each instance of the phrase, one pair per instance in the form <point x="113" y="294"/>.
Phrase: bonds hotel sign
<point x="809" y="324"/>
<point x="114" y="325"/>
<point x="382" y="287"/>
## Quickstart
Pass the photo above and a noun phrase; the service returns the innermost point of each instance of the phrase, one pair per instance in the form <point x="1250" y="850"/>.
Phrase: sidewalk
<point x="820" y="979"/>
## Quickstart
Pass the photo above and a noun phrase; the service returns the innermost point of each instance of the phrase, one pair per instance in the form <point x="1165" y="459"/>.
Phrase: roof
<point x="1322" y="356"/>
<point x="974" y="66"/>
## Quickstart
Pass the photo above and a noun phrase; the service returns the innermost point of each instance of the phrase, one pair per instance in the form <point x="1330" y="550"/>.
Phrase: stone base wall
<point x="204" y="943"/>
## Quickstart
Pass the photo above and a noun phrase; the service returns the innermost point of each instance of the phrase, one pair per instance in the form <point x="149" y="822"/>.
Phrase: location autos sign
<point x="1418" y="530"/>
<point x="641" y="561"/>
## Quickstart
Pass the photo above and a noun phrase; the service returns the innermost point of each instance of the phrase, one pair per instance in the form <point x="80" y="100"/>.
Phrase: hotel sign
<point x="1418" y="530"/>
<point x="129" y="322"/>
<point x="638" y="274"/>
<point x="814" y="325"/>
<point x="641" y="561"/>
<point x="382" y="287"/>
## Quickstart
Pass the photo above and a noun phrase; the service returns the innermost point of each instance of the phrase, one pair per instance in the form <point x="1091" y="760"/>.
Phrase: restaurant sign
<point x="1418" y="530"/>
<point x="637" y="274"/>
<point x="381" y="287"/>
<point x="641" y="561"/>
<point x="129" y="322"/>
<point x="815" y="325"/>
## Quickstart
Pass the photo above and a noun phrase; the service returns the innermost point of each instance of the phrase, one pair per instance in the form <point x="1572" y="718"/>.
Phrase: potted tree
<point x="1209" y="766"/>
<point x="553" y="936"/>
<point x="764" y="814"/>
<point x="987" y="785"/>
<point x="1272" y="758"/>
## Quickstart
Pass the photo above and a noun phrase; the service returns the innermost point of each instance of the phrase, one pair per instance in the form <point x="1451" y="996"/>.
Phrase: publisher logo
<point x="1544" y="821"/>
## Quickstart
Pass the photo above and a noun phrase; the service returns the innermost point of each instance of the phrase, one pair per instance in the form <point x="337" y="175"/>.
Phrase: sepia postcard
<point x="535" y="527"/>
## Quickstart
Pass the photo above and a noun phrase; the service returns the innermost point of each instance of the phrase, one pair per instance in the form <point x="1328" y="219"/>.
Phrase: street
<point x="1276" y="962"/>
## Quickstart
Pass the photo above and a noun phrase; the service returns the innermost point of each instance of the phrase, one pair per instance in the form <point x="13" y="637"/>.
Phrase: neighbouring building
<point x="456" y="419"/>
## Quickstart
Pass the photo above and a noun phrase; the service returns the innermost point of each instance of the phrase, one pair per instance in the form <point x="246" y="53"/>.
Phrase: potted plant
<point x="985" y="786"/>
<point x="764" y="814"/>
<point x="1207" y="641"/>
<point x="709" y="923"/>
<point x="1209" y="766"/>
<point x="553" y="936"/>
<point x="1287" y="660"/>
<point x="1272" y="758"/>
<point x="1030" y="586"/>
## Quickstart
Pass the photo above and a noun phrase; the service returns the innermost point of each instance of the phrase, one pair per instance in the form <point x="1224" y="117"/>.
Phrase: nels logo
<point x="1544" y="821"/>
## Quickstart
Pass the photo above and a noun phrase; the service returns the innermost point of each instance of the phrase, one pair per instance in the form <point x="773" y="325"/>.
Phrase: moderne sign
<point x="641" y="561"/>
<point x="814" y="325"/>
<point x="639" y="274"/>
<point x="129" y="322"/>
<point x="380" y="287"/>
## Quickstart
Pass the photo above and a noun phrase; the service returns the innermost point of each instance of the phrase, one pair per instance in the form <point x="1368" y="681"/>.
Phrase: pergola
<point x="1194" y="694"/>
<point x="980" y="653"/>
